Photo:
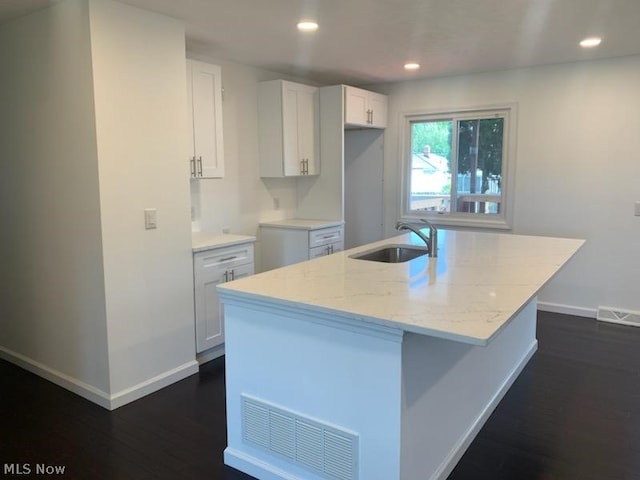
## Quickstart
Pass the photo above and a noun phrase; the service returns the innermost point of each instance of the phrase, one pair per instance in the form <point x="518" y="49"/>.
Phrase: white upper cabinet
<point x="289" y="128"/>
<point x="364" y="108"/>
<point x="204" y="86"/>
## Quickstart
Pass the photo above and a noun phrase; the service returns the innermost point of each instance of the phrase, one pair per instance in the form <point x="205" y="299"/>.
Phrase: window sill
<point x="462" y="220"/>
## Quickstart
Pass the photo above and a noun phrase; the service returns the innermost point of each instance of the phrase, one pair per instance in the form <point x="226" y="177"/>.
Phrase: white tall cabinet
<point x="217" y="260"/>
<point x="204" y="101"/>
<point x="289" y="129"/>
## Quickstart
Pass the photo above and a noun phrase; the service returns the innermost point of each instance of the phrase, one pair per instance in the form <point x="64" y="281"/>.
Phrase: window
<point x="459" y="167"/>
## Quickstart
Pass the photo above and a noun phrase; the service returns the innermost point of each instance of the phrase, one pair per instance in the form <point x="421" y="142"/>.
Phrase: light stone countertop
<point x="302" y="224"/>
<point x="202" y="241"/>
<point x="478" y="282"/>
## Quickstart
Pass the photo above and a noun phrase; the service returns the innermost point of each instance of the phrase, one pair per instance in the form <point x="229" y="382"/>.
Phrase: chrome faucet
<point x="431" y="241"/>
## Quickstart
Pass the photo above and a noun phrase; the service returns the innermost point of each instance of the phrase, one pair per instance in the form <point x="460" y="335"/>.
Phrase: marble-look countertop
<point x="302" y="223"/>
<point x="478" y="282"/>
<point x="202" y="241"/>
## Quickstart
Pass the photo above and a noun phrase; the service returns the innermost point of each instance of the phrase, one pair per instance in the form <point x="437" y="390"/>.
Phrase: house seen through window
<point x="457" y="165"/>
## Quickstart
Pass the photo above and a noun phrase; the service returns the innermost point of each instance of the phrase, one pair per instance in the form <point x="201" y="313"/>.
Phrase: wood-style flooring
<point x="573" y="414"/>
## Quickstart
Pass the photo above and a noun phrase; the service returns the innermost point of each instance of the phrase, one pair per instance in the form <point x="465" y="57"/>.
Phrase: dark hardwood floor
<point x="573" y="414"/>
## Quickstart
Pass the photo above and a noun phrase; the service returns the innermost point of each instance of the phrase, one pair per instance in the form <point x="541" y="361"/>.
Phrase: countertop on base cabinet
<point x="284" y="242"/>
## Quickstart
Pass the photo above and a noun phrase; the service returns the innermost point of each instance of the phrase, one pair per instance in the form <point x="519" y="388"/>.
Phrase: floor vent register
<point x="330" y="452"/>
<point x="613" y="315"/>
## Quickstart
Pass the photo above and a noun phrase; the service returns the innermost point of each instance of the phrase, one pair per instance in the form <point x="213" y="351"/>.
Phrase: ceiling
<point x="367" y="41"/>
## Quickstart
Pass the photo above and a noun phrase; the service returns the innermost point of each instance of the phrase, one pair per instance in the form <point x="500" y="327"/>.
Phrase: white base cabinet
<point x="293" y="241"/>
<point x="211" y="268"/>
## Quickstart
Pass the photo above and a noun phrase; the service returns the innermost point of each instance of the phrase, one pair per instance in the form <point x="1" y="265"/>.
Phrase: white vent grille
<point x="326" y="450"/>
<point x="613" y="315"/>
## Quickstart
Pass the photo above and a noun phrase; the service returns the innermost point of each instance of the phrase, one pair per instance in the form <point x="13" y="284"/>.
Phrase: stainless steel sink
<point x="392" y="254"/>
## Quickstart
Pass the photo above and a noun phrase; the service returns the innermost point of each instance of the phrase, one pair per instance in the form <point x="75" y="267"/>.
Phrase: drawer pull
<point x="226" y="259"/>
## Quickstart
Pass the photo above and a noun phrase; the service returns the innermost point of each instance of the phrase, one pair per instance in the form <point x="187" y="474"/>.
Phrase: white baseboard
<point x="567" y="309"/>
<point x="255" y="466"/>
<point x="93" y="394"/>
<point x="211" y="354"/>
<point x="74" y="385"/>
<point x="153" y="384"/>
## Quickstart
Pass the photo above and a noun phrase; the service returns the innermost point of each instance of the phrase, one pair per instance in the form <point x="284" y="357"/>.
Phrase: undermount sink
<point x="392" y="254"/>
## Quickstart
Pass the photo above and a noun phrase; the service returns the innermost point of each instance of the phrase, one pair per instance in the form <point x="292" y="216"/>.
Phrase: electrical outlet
<point x="637" y="210"/>
<point x="226" y="229"/>
<point x="276" y="203"/>
<point x="150" y="218"/>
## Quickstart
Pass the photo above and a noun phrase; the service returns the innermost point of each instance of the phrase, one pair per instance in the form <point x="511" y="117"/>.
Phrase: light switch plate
<point x="150" y="218"/>
<point x="637" y="210"/>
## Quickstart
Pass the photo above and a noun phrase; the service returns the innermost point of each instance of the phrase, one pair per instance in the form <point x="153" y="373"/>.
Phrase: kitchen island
<point x="352" y="369"/>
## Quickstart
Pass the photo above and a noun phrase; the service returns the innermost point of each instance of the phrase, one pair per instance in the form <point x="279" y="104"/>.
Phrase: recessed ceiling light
<point x="411" y="66"/>
<point x="307" y="26"/>
<point x="590" y="42"/>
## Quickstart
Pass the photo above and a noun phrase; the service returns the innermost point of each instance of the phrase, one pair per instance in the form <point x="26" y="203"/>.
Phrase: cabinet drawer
<point x="325" y="236"/>
<point x="225" y="257"/>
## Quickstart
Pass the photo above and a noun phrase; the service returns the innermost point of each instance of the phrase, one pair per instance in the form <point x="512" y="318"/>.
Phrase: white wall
<point x="93" y="112"/>
<point x="140" y="99"/>
<point x="241" y="199"/>
<point x="52" y="305"/>
<point x="577" y="167"/>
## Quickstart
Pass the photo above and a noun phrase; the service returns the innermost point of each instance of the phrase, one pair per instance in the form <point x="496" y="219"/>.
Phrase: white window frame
<point x="502" y="220"/>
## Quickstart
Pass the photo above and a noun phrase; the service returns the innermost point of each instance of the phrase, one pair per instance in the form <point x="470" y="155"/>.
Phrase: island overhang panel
<point x="344" y="368"/>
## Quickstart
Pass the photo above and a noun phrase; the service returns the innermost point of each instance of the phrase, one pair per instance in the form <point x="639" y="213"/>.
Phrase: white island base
<point x="312" y="395"/>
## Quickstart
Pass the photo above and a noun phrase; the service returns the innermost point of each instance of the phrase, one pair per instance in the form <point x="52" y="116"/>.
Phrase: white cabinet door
<point x="212" y="268"/>
<point x="356" y="106"/>
<point x="289" y="123"/>
<point x="204" y="84"/>
<point x="378" y="106"/>
<point x="241" y="271"/>
<point x="324" y="250"/>
<point x="364" y="108"/>
<point x="209" y="331"/>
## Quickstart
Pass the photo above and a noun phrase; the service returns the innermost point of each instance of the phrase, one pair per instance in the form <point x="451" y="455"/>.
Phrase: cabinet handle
<point x="225" y="277"/>
<point x="233" y="274"/>
<point x="200" y="166"/>
<point x="226" y="259"/>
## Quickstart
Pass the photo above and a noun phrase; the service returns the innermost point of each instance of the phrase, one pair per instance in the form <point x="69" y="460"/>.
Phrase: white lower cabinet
<point x="211" y="268"/>
<point x="284" y="243"/>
